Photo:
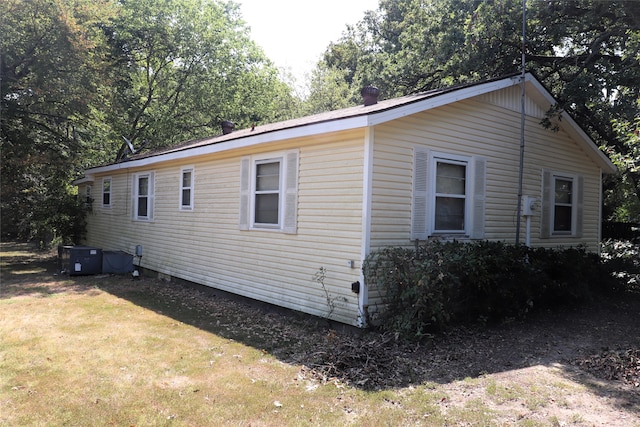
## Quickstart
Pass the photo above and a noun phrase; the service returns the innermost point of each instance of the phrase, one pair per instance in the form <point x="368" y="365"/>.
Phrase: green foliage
<point x="328" y="91"/>
<point x="51" y="68"/>
<point x="622" y="260"/>
<point x="586" y="52"/>
<point x="622" y="193"/>
<point x="440" y="283"/>
<point x="77" y="75"/>
<point x="181" y="67"/>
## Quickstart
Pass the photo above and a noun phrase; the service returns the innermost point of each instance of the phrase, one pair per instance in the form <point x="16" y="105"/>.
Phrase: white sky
<point x="295" y="33"/>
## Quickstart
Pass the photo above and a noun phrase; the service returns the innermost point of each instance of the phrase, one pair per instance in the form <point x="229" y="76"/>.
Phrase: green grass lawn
<point x="75" y="353"/>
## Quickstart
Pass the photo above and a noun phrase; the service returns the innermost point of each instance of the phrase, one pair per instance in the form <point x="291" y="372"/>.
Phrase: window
<point x="143" y="196"/>
<point x="186" y="189"/>
<point x="106" y="192"/>
<point x="269" y="192"/>
<point x="563" y="205"/>
<point x="88" y="200"/>
<point x="562" y="201"/>
<point x="448" y="195"/>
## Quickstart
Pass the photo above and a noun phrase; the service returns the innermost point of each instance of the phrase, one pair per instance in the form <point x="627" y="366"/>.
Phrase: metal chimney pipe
<point x="227" y="127"/>
<point x="370" y="95"/>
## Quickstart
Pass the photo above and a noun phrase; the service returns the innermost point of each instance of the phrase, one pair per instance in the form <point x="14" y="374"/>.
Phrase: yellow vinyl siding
<point x="476" y="128"/>
<point x="206" y="245"/>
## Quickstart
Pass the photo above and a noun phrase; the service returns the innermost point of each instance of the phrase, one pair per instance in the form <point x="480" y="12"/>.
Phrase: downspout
<point x="367" y="190"/>
<point x="600" y="201"/>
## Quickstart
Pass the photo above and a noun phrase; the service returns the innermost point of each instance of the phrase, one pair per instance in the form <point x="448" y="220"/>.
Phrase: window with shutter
<point x="562" y="204"/>
<point x="448" y="195"/>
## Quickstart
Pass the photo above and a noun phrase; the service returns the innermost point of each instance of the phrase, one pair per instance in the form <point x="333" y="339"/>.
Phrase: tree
<point x="181" y="67"/>
<point x="623" y="193"/>
<point x="586" y="52"/>
<point x="328" y="90"/>
<point x="78" y="75"/>
<point x="50" y="68"/>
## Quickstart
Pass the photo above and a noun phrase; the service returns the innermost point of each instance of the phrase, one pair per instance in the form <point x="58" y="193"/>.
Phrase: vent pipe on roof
<point x="370" y="95"/>
<point x="227" y="127"/>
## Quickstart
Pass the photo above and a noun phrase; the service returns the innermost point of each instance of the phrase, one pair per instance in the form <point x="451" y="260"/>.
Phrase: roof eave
<point x="375" y="117"/>
<point x="84" y="180"/>
<point x="242" y="142"/>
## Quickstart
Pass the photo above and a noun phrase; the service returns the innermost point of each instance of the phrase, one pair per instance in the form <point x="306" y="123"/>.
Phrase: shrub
<point x="621" y="259"/>
<point x="439" y="283"/>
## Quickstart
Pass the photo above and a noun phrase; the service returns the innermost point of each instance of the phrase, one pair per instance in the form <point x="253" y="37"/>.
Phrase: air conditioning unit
<point x="80" y="260"/>
<point x="116" y="262"/>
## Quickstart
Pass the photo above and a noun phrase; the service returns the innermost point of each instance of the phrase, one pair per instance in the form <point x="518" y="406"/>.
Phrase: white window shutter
<point x="420" y="196"/>
<point x="579" y="206"/>
<point x="245" y="192"/>
<point x="547" y="203"/>
<point x="290" y="220"/>
<point x="152" y="193"/>
<point x="134" y="197"/>
<point x="478" y="202"/>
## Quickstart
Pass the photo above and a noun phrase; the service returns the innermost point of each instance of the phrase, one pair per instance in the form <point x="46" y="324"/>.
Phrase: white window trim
<point x="548" y="204"/>
<point x="107" y="206"/>
<point x="423" y="194"/>
<point x="150" y="196"/>
<point x="574" y="210"/>
<point x="190" y="206"/>
<point x="254" y="193"/>
<point x="451" y="159"/>
<point x="287" y="194"/>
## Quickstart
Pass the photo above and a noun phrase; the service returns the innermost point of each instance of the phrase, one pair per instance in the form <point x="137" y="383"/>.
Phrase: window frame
<point x="556" y="203"/>
<point x="255" y="192"/>
<point x="109" y="193"/>
<point x="190" y="206"/>
<point x="88" y="200"/>
<point x="547" y="228"/>
<point x="150" y="196"/>
<point x="287" y="191"/>
<point x="423" y="194"/>
<point x="457" y="160"/>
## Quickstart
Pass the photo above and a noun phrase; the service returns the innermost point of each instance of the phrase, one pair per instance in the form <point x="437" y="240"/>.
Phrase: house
<point x="286" y="213"/>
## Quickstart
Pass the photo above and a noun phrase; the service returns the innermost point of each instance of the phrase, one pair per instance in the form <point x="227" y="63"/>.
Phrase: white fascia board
<point x="317" y="128"/>
<point x="440" y="100"/>
<point x="540" y="91"/>
<point x="249" y="141"/>
<point x="84" y="180"/>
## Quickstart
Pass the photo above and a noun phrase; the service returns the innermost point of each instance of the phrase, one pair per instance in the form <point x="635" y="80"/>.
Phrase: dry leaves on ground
<point x="373" y="360"/>
<point x="619" y="365"/>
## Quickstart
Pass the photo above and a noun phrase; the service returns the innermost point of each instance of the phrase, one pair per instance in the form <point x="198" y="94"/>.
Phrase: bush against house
<point x="441" y="283"/>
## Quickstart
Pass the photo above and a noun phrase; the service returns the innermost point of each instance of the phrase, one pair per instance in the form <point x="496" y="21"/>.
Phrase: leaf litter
<point x="328" y="352"/>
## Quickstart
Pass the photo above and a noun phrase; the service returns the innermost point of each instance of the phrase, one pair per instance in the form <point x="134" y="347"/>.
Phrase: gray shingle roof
<point x="344" y="113"/>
